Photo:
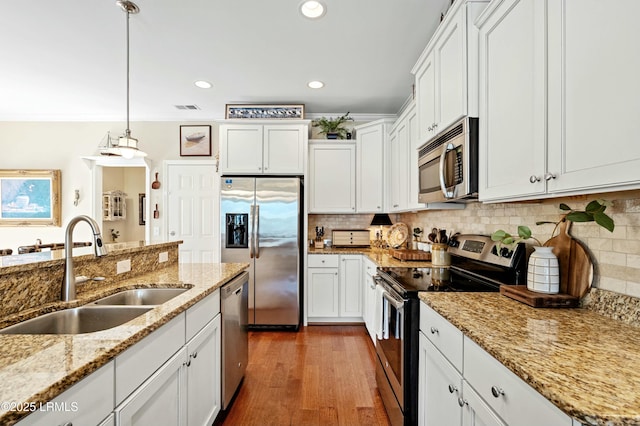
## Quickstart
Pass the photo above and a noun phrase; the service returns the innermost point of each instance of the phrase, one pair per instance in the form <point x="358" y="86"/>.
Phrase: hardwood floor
<point x="321" y="375"/>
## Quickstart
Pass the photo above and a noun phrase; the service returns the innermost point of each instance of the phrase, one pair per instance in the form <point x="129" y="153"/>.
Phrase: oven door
<point x="391" y="344"/>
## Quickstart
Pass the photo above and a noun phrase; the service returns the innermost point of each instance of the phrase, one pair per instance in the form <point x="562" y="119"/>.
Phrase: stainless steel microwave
<point x="448" y="164"/>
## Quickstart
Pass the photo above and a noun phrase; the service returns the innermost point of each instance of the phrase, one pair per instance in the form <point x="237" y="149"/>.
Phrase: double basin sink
<point x="108" y="312"/>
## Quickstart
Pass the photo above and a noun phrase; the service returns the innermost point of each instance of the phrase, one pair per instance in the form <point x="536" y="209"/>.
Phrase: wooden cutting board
<point x="576" y="267"/>
<point x="406" y="254"/>
<point x="539" y="300"/>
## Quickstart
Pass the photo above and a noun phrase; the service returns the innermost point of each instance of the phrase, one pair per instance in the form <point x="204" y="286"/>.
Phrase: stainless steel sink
<point x="85" y="319"/>
<point x="141" y="296"/>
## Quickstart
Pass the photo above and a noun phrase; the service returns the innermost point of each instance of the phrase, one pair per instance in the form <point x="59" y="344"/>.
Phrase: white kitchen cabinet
<point x="512" y="133"/>
<point x="332" y="177"/>
<point x="369" y="299"/>
<point x="351" y="285"/>
<point x="593" y="96"/>
<point x="87" y="402"/>
<point x="544" y="99"/>
<point x="446" y="72"/>
<point x="513" y="400"/>
<point x="204" y="379"/>
<point x="439" y="387"/>
<point x="475" y="412"/>
<point x="370" y="166"/>
<point x="161" y="400"/>
<point x="256" y="149"/>
<point x="109" y="421"/>
<point x="399" y="159"/>
<point x="334" y="288"/>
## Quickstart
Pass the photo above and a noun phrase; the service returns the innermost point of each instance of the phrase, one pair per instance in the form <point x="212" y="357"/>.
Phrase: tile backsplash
<point x="616" y="255"/>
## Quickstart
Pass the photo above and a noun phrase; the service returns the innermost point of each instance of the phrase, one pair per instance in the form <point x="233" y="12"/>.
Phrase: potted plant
<point x="543" y="258"/>
<point x="332" y="127"/>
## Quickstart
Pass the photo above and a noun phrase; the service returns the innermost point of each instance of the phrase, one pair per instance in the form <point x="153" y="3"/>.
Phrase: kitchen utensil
<point x="576" y="267"/>
<point x="539" y="300"/>
<point x="443" y="236"/>
<point x="433" y="235"/>
<point x="156" y="183"/>
<point x="411" y="255"/>
<point x="398" y="234"/>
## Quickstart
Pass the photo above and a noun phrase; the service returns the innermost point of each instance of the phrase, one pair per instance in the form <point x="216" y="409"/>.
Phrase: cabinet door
<point x="593" y="95"/>
<point x="413" y="143"/>
<point x="451" y="75"/>
<point x="351" y="286"/>
<point x="284" y="148"/>
<point x="369" y="300"/>
<point x="204" y="379"/>
<point x="426" y="98"/>
<point x="394" y="176"/>
<point x="512" y="100"/>
<point x="475" y="412"/>
<point x="161" y="399"/>
<point x="333" y="178"/>
<point x="323" y="294"/>
<point x="371" y="178"/>
<point x="439" y="387"/>
<point x="241" y="149"/>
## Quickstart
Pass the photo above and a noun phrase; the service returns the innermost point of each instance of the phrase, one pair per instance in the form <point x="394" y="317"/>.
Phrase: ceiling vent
<point x="187" y="107"/>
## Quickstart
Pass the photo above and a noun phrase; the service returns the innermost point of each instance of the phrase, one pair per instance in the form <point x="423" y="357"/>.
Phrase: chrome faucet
<point x="69" y="282"/>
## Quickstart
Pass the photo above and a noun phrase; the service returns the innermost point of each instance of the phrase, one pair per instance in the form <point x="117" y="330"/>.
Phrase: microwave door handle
<point x="443" y="157"/>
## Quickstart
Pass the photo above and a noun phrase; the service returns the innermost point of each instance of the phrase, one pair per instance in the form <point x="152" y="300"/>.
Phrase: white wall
<point x="60" y="145"/>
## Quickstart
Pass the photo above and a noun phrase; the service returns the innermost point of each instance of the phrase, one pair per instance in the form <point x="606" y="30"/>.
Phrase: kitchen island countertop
<point x="37" y="368"/>
<point x="583" y="362"/>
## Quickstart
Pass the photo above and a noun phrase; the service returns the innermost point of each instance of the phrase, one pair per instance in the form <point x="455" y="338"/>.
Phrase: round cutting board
<point x="398" y="234"/>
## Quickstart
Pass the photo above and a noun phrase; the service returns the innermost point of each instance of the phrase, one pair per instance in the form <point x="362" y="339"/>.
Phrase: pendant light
<point x="127" y="146"/>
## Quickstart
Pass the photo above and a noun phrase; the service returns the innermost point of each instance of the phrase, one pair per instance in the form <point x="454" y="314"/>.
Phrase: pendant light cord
<point x="128" y="131"/>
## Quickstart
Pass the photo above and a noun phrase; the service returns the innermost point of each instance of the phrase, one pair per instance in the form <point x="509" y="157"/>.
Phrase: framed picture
<point x="195" y="141"/>
<point x="295" y="112"/>
<point x="30" y="198"/>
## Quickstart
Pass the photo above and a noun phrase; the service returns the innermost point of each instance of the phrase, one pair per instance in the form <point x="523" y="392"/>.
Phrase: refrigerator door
<point x="276" y="291"/>
<point x="237" y="208"/>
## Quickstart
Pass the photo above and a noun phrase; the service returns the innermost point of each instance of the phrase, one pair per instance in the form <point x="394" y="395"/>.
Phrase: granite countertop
<point x="380" y="257"/>
<point x="583" y="362"/>
<point x="37" y="368"/>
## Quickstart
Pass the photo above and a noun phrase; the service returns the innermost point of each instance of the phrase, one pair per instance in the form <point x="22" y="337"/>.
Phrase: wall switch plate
<point x="123" y="266"/>
<point x="163" y="257"/>
<point x="156" y="231"/>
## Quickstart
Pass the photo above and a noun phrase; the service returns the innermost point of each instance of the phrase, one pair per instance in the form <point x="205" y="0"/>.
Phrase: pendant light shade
<point x="125" y="146"/>
<point x="381" y="219"/>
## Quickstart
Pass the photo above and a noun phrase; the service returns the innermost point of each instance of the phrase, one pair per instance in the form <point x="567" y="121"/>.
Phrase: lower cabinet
<point x="334" y="288"/>
<point x="87" y="402"/>
<point x="487" y="394"/>
<point x="161" y="399"/>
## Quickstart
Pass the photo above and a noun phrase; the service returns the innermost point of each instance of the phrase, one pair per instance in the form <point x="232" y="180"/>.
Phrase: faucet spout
<point x="68" y="291"/>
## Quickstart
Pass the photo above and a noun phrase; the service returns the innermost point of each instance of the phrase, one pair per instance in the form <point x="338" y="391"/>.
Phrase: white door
<point x="192" y="200"/>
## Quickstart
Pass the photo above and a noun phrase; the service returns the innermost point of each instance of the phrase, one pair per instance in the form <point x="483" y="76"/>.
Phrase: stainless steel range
<point x="477" y="264"/>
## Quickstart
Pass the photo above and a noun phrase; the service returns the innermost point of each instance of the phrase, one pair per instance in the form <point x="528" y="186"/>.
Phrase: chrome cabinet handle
<point x="434" y="330"/>
<point x="496" y="391"/>
<point x="534" y="179"/>
<point x="452" y="389"/>
<point x="462" y="402"/>
<point x="549" y="176"/>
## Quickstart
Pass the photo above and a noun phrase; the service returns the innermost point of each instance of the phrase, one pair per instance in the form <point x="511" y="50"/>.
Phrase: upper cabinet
<point x="370" y="166"/>
<point x="332" y="177"/>
<point x="544" y="98"/>
<point x="257" y="149"/>
<point x="446" y="72"/>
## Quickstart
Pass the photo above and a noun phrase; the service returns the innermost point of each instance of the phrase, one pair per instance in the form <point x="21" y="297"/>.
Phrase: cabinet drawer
<point x="201" y="313"/>
<point x="322" y="261"/>
<point x="509" y="396"/>
<point x="444" y="336"/>
<point x="351" y="238"/>
<point x="137" y="363"/>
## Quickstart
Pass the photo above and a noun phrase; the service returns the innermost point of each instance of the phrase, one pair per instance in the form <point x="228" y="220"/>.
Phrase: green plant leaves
<point x="603" y="220"/>
<point x="524" y="232"/>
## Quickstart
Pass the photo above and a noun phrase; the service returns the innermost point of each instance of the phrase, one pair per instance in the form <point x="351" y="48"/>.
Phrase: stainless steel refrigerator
<point x="260" y="224"/>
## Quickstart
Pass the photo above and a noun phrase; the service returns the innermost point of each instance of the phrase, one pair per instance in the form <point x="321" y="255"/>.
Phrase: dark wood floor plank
<point x="321" y="375"/>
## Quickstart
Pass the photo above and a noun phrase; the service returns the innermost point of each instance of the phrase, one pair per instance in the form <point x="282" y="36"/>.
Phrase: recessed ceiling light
<point x="312" y="9"/>
<point x="315" y="84"/>
<point x="203" y="84"/>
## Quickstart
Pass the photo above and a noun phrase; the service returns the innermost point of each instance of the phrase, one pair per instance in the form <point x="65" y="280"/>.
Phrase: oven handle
<point x="398" y="304"/>
<point x="443" y="157"/>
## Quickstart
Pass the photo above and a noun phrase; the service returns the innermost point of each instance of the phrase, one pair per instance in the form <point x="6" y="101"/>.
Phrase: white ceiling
<point x="65" y="59"/>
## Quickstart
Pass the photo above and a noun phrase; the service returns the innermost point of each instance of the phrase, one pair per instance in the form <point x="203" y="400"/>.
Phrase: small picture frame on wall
<point x="30" y="198"/>
<point x="195" y="141"/>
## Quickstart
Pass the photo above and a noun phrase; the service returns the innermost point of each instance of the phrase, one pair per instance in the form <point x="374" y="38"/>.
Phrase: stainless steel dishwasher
<point x="235" y="337"/>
